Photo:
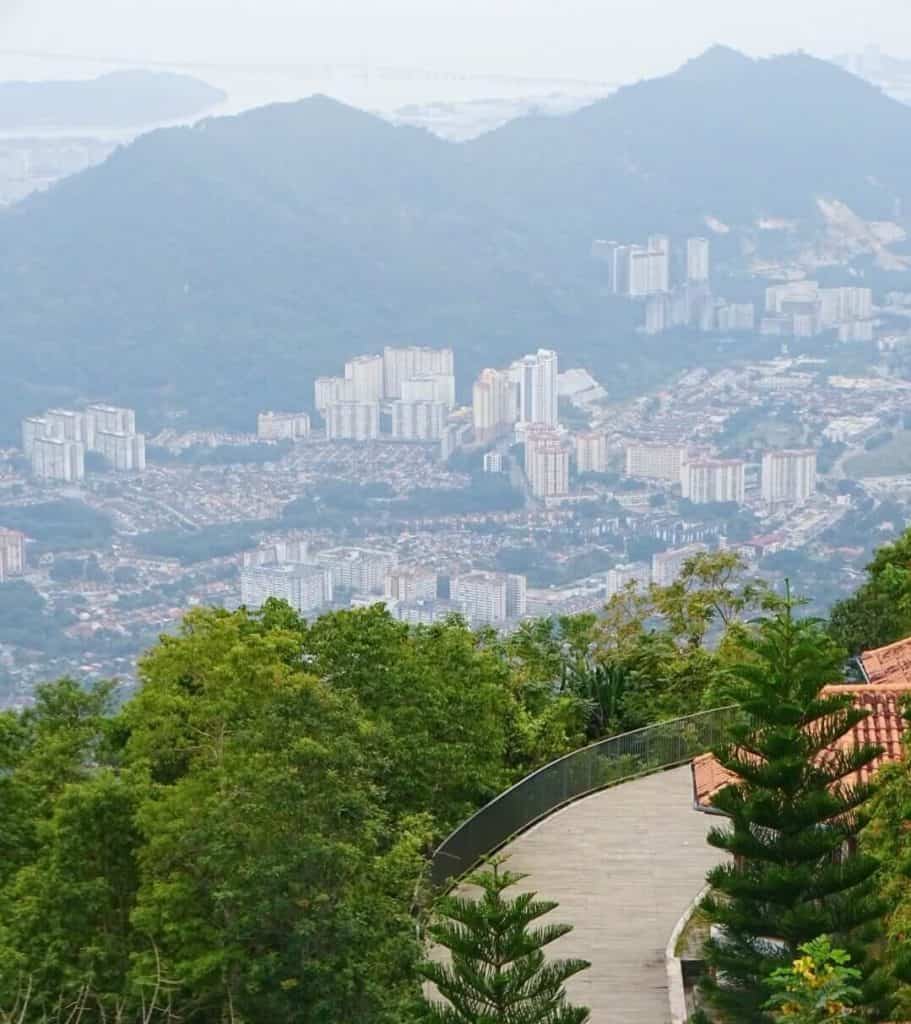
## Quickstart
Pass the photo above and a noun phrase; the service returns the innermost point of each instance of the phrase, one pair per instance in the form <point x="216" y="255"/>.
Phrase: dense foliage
<point x="243" y="836"/>
<point x="879" y="612"/>
<point x="241" y="840"/>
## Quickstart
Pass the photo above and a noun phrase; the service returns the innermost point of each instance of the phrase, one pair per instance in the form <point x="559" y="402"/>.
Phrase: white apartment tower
<point x="401" y="364"/>
<point x="705" y="481"/>
<point x="655" y="461"/>
<point x="305" y="587"/>
<point x="366" y="376"/>
<point x="536" y="376"/>
<point x="419" y="420"/>
<point x="494" y="404"/>
<point x="429" y="387"/>
<point x="112" y="418"/>
<point x="362" y="570"/>
<point x="698" y="252"/>
<point x="660" y="245"/>
<point x="70" y="426"/>
<point x="591" y="452"/>
<point x="490" y="598"/>
<point x="352" y="421"/>
<point x="546" y="463"/>
<point x="411" y="585"/>
<point x="329" y="390"/>
<point x="788" y="477"/>
<point x="34" y="427"/>
<point x="125" y="452"/>
<point x="12" y="554"/>
<point x="56" y="459"/>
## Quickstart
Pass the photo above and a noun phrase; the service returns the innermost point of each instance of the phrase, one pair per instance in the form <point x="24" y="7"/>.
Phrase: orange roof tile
<point x="883" y="727"/>
<point x="890" y="664"/>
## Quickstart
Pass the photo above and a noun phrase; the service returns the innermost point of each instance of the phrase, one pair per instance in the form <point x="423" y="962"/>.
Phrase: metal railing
<point x="576" y="775"/>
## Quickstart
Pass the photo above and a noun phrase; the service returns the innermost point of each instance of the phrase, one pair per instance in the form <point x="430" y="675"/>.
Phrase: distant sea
<point x="483" y="97"/>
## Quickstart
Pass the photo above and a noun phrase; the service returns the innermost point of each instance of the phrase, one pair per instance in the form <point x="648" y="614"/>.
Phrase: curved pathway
<point x="624" y="866"/>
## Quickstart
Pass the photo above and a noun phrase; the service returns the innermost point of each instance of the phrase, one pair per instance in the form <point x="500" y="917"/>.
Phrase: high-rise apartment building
<point x="329" y="390"/>
<point x="56" y="459"/>
<point x="494" y="404"/>
<point x="34" y="427"/>
<point x="352" y="421"/>
<point x="12" y="554"/>
<point x="108" y="429"/>
<point x="493" y="462"/>
<point x="366" y="376"/>
<point x="705" y="481"/>
<point x="124" y="452"/>
<point x="698" y="252"/>
<point x="282" y="426"/>
<point x="282" y="552"/>
<point x="546" y="462"/>
<point x="667" y="566"/>
<point x="67" y="425"/>
<point x="411" y="585"/>
<point x="490" y="598"/>
<point x="788" y="477"/>
<point x="419" y="420"/>
<point x="430" y="387"/>
<point x="536" y="376"/>
<point x="362" y="570"/>
<point x="305" y="587"/>
<point x="660" y="245"/>
<point x="401" y="364"/>
<point x="111" y="418"/>
<point x="591" y="452"/>
<point x="655" y="461"/>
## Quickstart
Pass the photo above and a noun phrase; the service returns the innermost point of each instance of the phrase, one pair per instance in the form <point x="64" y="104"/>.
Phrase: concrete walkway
<point x="624" y="865"/>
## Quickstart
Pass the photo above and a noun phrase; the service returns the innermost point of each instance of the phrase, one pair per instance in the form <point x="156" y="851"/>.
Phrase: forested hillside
<point x="215" y="270"/>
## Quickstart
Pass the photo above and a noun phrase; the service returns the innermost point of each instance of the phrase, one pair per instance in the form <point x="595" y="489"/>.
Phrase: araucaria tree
<point x="498" y="972"/>
<point x="794" y="814"/>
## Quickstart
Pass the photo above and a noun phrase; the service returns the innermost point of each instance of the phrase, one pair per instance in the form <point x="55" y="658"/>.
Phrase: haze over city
<point x="276" y="40"/>
<point x="451" y="451"/>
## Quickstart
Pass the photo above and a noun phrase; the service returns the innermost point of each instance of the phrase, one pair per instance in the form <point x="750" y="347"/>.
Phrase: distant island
<point x="121" y="99"/>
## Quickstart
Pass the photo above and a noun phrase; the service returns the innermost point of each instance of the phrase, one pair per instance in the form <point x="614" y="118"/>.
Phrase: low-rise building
<point x="282" y="426"/>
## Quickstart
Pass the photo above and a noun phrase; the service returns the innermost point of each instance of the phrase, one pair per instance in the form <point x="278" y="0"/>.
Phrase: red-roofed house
<point x="883" y="727"/>
<point x="891" y="664"/>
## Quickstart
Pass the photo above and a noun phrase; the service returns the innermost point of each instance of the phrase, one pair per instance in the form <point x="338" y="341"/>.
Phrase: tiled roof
<point x="883" y="727"/>
<point x="891" y="664"/>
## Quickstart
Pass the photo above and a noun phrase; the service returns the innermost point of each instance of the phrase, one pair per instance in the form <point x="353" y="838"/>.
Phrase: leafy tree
<point x="498" y="972"/>
<point x="879" y="612"/>
<point x="709" y="592"/>
<point x="794" y="813"/>
<point x="275" y="876"/>
<point x="888" y="838"/>
<point x="817" y="988"/>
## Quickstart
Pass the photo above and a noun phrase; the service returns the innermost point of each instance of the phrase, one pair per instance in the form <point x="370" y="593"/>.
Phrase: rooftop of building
<point x="888" y="665"/>
<point x="883" y="727"/>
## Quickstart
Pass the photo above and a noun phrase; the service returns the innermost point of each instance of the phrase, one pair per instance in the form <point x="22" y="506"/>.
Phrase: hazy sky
<point x="606" y="39"/>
